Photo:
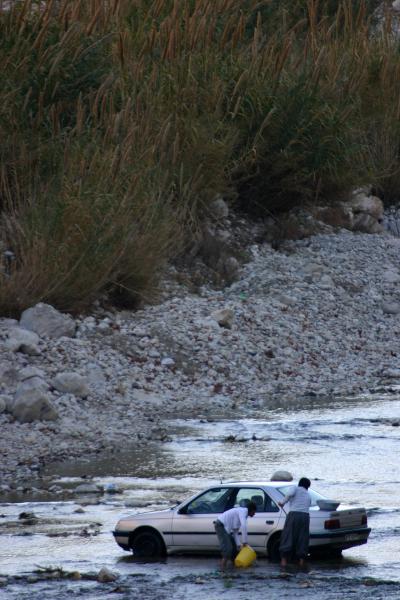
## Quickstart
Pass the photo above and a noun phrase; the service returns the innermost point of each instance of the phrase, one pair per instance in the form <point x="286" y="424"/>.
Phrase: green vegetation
<point x="121" y="120"/>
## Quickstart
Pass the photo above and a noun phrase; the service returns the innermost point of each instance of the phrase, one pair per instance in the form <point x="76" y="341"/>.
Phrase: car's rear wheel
<point x="147" y="544"/>
<point x="273" y="548"/>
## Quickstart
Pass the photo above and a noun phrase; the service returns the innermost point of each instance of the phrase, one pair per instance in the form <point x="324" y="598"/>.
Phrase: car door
<point x="193" y="524"/>
<point x="266" y="519"/>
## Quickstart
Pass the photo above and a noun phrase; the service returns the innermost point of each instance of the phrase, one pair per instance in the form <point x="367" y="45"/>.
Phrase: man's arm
<point x="236" y="537"/>
<point x="288" y="496"/>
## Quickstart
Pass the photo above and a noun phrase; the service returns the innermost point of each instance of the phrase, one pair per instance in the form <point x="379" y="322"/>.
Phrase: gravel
<point x="318" y="317"/>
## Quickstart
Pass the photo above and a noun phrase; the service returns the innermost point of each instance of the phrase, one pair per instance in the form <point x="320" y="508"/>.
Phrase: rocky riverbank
<point x="319" y="316"/>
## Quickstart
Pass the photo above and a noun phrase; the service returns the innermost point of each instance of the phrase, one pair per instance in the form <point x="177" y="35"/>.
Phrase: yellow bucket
<point x="246" y="557"/>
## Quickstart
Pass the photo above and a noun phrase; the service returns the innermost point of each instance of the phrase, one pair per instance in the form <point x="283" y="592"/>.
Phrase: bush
<point x="120" y="121"/>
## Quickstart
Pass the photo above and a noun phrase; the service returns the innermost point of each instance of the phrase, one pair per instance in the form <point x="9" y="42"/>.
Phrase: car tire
<point x="147" y="544"/>
<point x="273" y="548"/>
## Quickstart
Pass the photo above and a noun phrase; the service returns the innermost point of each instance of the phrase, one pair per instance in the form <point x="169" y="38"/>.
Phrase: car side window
<point x="212" y="501"/>
<point x="262" y="501"/>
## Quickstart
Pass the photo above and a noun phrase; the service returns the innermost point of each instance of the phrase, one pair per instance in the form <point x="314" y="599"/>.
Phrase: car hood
<point x="151" y="514"/>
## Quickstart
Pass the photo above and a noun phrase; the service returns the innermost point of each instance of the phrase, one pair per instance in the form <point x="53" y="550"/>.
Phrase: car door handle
<point x="270" y="522"/>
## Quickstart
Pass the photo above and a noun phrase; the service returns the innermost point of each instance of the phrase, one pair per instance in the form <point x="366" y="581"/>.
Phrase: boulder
<point x="391" y="308"/>
<point x="361" y="202"/>
<point x="106" y="576"/>
<point x="366" y="224"/>
<point x="46" y="321"/>
<point x="219" y="209"/>
<point x="88" y="488"/>
<point x="230" y="268"/>
<point x="282" y="476"/>
<point x="71" y="383"/>
<point x="32" y="405"/>
<point x="30" y="373"/>
<point x="32" y="383"/>
<point x="391" y="276"/>
<point x="22" y="340"/>
<point x="224" y="317"/>
<point x="3" y="403"/>
<point x="367" y="212"/>
<point x="389" y="373"/>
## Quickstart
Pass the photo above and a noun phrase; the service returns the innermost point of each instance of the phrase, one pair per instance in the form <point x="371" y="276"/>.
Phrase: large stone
<point x="224" y="317"/>
<point x="32" y="405"/>
<point x="46" y="321"/>
<point x="370" y="205"/>
<point x="3" y="403"/>
<point x="106" y="576"/>
<point x="32" y="383"/>
<point x="219" y="209"/>
<point x="88" y="488"/>
<point x="391" y="308"/>
<point x="71" y="383"/>
<point x="366" y="223"/>
<point x="22" y="340"/>
<point x="30" y="373"/>
<point x="391" y="276"/>
<point x="230" y="268"/>
<point x="282" y="476"/>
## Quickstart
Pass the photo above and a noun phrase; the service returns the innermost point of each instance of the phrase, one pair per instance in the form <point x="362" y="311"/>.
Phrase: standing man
<point x="227" y="528"/>
<point x="296" y="531"/>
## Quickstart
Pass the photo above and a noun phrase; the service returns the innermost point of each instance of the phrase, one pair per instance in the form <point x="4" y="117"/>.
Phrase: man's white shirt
<point x="235" y="520"/>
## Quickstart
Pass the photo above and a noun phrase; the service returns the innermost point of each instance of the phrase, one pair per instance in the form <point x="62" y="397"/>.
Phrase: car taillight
<point x="332" y="524"/>
<point x="364" y="520"/>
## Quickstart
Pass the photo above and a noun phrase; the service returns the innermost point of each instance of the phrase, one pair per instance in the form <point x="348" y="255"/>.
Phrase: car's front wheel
<point x="147" y="544"/>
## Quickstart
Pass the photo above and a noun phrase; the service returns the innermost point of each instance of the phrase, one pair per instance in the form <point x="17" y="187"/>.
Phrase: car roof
<point x="275" y="484"/>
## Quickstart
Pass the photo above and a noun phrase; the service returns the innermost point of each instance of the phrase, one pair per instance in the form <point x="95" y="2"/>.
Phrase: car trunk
<point x="345" y="517"/>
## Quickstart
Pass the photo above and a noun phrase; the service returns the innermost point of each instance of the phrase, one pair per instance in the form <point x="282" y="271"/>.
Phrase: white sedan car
<point x="189" y="527"/>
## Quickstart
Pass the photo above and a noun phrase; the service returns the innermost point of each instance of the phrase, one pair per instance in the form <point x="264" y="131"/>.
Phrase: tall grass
<point x="121" y="120"/>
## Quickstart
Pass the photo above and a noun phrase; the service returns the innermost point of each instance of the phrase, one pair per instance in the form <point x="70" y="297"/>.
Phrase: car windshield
<point x="314" y="495"/>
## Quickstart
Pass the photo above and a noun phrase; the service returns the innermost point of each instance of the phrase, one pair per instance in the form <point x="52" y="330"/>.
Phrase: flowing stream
<point x="349" y="448"/>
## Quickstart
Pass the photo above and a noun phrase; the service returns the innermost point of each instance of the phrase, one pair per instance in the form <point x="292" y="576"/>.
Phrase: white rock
<point x="231" y="267"/>
<point x="30" y="372"/>
<point x="32" y="383"/>
<point x="22" y="340"/>
<point x="106" y="576"/>
<point x="224" y="317"/>
<point x="391" y="373"/>
<point x="46" y="321"/>
<point x="71" y="383"/>
<point x="282" y="476"/>
<point x="88" y="488"/>
<point x="3" y="403"/>
<point x="219" y="209"/>
<point x="391" y="276"/>
<point x="167" y="362"/>
<point x="396" y="5"/>
<point x="391" y="308"/>
<point x="371" y="205"/>
<point x="32" y="405"/>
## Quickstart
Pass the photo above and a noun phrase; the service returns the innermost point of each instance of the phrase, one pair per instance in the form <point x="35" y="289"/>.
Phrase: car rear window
<point x="314" y="495"/>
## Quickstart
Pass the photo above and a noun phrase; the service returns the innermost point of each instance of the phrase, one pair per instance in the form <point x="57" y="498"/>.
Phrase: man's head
<point x="251" y="508"/>
<point x="304" y="483"/>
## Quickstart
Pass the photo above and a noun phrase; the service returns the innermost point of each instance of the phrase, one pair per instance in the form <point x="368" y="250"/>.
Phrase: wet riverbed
<point x="349" y="448"/>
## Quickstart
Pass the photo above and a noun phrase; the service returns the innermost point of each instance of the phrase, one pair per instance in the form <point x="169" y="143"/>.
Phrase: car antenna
<point x="220" y="480"/>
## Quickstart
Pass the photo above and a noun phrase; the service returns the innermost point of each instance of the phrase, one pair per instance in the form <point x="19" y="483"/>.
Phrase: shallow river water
<point x="349" y="448"/>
